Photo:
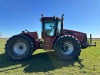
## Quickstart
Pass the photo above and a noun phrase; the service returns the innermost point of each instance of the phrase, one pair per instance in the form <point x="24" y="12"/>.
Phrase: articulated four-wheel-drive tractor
<point x="67" y="44"/>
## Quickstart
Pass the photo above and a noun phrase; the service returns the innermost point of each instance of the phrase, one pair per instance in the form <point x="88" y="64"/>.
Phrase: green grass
<point x="46" y="63"/>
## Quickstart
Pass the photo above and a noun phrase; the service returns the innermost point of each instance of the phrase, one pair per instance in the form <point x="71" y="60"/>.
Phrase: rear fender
<point x="34" y="37"/>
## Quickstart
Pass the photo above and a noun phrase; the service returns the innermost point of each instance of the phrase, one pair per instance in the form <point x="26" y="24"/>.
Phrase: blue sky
<point x="18" y="15"/>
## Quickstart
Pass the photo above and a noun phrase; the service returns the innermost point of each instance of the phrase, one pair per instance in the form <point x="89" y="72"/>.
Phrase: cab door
<point x="48" y="34"/>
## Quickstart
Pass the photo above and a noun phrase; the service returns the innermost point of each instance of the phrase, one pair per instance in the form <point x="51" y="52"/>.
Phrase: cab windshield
<point x="49" y="27"/>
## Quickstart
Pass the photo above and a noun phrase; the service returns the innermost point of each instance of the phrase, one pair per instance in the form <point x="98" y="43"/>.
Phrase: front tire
<point x="67" y="47"/>
<point x="19" y="47"/>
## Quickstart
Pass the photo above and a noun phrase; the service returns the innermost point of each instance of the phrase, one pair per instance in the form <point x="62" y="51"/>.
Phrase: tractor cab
<point x="51" y="26"/>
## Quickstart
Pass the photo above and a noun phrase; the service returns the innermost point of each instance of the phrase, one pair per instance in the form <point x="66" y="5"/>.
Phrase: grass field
<point x="46" y="63"/>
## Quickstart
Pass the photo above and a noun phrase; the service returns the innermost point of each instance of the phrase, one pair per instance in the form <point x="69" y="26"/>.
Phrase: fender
<point x="34" y="37"/>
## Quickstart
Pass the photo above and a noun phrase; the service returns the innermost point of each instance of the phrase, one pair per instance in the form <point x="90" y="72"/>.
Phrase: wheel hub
<point x="67" y="48"/>
<point x="19" y="48"/>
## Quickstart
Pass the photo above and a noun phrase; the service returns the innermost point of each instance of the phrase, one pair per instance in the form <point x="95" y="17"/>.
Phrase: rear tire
<point x="67" y="47"/>
<point x="19" y="47"/>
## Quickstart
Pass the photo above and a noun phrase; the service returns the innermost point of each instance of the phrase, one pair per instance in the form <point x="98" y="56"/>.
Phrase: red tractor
<point x="67" y="44"/>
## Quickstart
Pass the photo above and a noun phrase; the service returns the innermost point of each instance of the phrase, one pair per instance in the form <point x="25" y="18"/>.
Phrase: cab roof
<point x="50" y="18"/>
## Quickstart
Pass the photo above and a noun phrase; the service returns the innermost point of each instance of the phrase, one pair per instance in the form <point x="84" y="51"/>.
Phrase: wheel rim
<point x="19" y="48"/>
<point x="67" y="48"/>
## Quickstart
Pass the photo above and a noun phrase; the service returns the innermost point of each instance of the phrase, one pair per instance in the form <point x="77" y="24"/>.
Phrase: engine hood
<point x="70" y="32"/>
<point x="79" y="35"/>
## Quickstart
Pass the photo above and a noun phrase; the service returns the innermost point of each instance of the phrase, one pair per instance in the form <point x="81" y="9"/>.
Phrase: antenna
<point x="42" y="15"/>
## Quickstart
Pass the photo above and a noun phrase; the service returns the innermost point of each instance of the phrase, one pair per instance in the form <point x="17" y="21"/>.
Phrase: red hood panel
<point x="79" y="35"/>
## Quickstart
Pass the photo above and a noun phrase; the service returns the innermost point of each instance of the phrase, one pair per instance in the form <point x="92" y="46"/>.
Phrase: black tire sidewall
<point x="10" y="44"/>
<point x="76" y="45"/>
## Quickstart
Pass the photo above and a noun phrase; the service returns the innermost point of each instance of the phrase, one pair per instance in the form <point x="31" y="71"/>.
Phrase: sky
<point x="79" y="15"/>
